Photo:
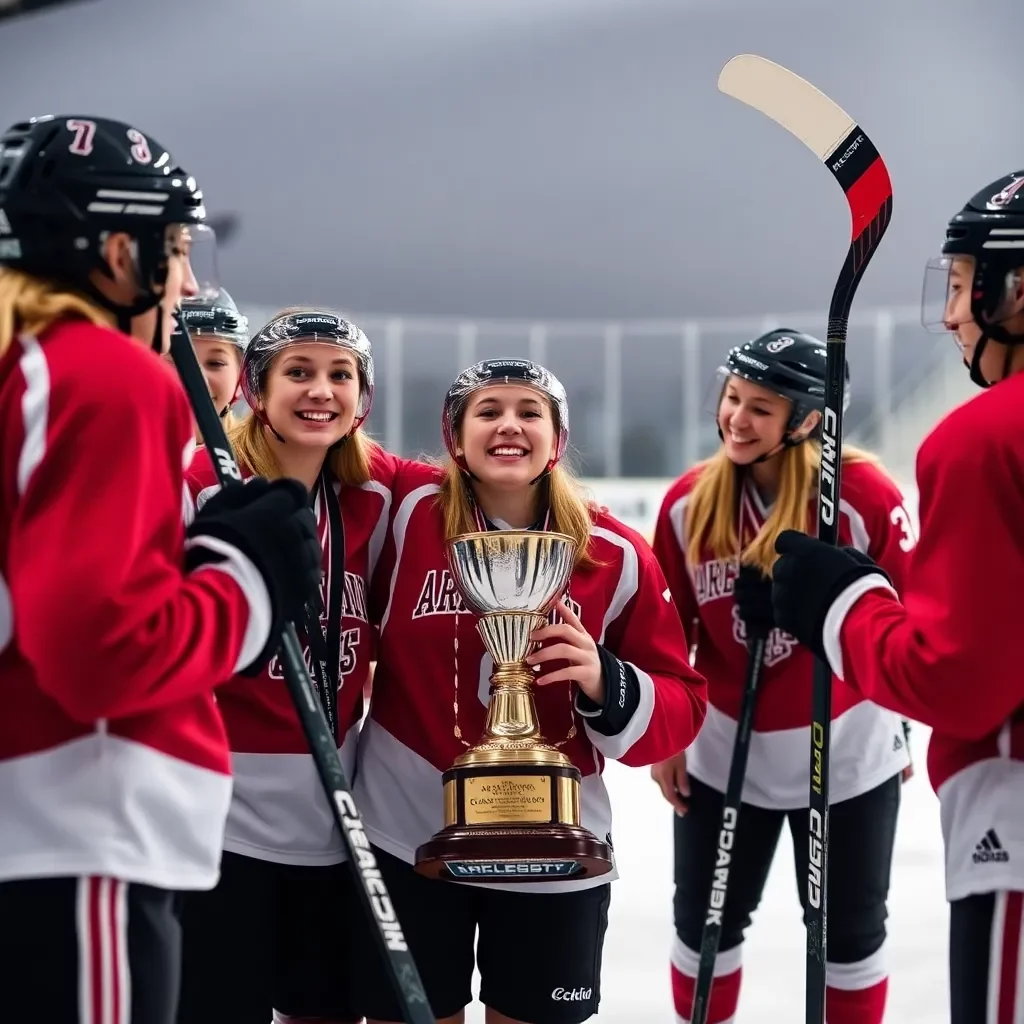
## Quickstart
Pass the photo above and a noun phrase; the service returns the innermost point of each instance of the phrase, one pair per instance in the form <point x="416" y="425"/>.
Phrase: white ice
<point x="635" y="981"/>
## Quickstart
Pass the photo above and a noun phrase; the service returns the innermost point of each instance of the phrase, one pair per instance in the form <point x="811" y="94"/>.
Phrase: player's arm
<point x="655" y="702"/>
<point x="105" y="614"/>
<point x="942" y="656"/>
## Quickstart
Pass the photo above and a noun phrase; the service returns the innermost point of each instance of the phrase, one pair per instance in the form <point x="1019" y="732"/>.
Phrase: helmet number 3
<point x="140" y="147"/>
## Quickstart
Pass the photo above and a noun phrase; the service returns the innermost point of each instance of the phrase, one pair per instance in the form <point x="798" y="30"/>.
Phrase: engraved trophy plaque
<point x="512" y="801"/>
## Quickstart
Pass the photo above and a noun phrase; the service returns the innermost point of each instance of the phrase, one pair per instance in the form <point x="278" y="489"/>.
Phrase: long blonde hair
<point x="230" y="421"/>
<point x="712" y="511"/>
<point x="30" y="305"/>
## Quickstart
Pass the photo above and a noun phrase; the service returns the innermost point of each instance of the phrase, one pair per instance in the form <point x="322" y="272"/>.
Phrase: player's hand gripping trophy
<point x="512" y="801"/>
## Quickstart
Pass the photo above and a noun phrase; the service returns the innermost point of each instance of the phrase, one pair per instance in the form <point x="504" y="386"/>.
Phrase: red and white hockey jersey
<point x="113" y="756"/>
<point x="948" y="655"/>
<point x="868" y="745"/>
<point x="278" y="810"/>
<point x="432" y="674"/>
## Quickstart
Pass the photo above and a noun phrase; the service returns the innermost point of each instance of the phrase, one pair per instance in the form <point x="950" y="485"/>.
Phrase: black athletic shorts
<point x="862" y="832"/>
<point x="88" y="950"/>
<point x="986" y="959"/>
<point x="539" y="954"/>
<point x="269" y="937"/>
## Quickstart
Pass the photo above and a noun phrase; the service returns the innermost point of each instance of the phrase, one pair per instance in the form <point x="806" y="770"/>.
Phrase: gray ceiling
<point x="538" y="157"/>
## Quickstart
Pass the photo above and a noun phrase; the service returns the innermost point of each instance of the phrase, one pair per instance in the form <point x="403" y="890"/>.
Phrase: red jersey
<point x="278" y="810"/>
<point x="868" y="746"/>
<point x="113" y="757"/>
<point x="947" y="656"/>
<point x="432" y="674"/>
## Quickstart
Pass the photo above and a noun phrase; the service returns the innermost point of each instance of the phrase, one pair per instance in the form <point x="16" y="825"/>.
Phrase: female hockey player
<point x="269" y="936"/>
<point x="947" y="656"/>
<point x="624" y="690"/>
<point x="219" y="335"/>
<point x="114" y="767"/>
<point x="726" y="511"/>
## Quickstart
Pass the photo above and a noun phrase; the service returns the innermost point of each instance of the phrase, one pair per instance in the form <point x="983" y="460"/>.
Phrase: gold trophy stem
<point x="511" y="732"/>
<point x="511" y="711"/>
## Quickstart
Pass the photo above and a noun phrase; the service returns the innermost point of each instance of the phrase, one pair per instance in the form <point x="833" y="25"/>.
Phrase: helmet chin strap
<point x="974" y="366"/>
<point x="991" y="332"/>
<point x="124" y="315"/>
<point x="983" y="294"/>
<point x="469" y="478"/>
<point x="146" y="300"/>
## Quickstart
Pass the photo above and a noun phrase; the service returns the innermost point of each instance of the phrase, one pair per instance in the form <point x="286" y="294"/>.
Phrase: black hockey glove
<point x="864" y="559"/>
<point x="807" y="578"/>
<point x="272" y="524"/>
<point x="752" y="591"/>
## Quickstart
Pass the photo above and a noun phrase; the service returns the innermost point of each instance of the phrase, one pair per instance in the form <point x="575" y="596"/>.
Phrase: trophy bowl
<point x="511" y="570"/>
<point x="512" y="801"/>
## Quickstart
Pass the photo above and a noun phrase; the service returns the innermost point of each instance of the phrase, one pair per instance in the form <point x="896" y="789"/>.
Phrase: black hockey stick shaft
<point x="712" y="933"/>
<point x="861" y="172"/>
<point x="373" y="893"/>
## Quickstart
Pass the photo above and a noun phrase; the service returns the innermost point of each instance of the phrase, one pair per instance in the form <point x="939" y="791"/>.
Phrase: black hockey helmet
<point x="66" y="182"/>
<point x="789" y="363"/>
<point x="990" y="229"/>
<point x="490" y="372"/>
<point x="216" y="316"/>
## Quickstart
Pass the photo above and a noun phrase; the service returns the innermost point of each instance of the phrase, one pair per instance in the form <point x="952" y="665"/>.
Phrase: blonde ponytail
<point x="30" y="305"/>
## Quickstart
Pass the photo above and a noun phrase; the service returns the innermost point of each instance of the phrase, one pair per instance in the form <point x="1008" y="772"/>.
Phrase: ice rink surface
<point x="636" y="975"/>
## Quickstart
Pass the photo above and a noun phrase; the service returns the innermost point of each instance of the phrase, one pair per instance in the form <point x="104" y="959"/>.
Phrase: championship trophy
<point x="512" y="801"/>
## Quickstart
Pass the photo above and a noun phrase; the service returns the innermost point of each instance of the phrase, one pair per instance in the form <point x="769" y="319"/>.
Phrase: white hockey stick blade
<point x="789" y="100"/>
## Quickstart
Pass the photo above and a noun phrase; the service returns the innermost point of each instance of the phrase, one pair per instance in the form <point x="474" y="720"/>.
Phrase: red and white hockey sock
<point x="725" y="989"/>
<point x="1006" y="960"/>
<point x="855" y="993"/>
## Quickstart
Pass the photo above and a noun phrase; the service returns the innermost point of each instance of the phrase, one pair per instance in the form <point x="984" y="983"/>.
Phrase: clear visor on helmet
<point x="947" y="290"/>
<point x="192" y="260"/>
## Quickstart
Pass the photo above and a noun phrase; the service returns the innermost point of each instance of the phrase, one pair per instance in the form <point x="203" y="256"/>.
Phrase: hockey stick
<point x="838" y="141"/>
<point x="712" y="933"/>
<point x="401" y="967"/>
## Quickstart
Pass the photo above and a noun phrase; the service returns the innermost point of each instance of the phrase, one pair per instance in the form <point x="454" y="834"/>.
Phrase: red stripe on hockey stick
<point x="867" y="195"/>
<point x="1009" y="957"/>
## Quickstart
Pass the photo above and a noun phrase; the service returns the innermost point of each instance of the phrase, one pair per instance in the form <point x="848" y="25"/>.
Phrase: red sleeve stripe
<point x="35" y="409"/>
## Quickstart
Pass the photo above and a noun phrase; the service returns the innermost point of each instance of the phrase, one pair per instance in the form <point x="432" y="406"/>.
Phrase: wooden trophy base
<point x="512" y="823"/>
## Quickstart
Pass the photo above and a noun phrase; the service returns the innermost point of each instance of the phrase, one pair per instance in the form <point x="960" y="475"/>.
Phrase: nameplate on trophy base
<point x="506" y="799"/>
